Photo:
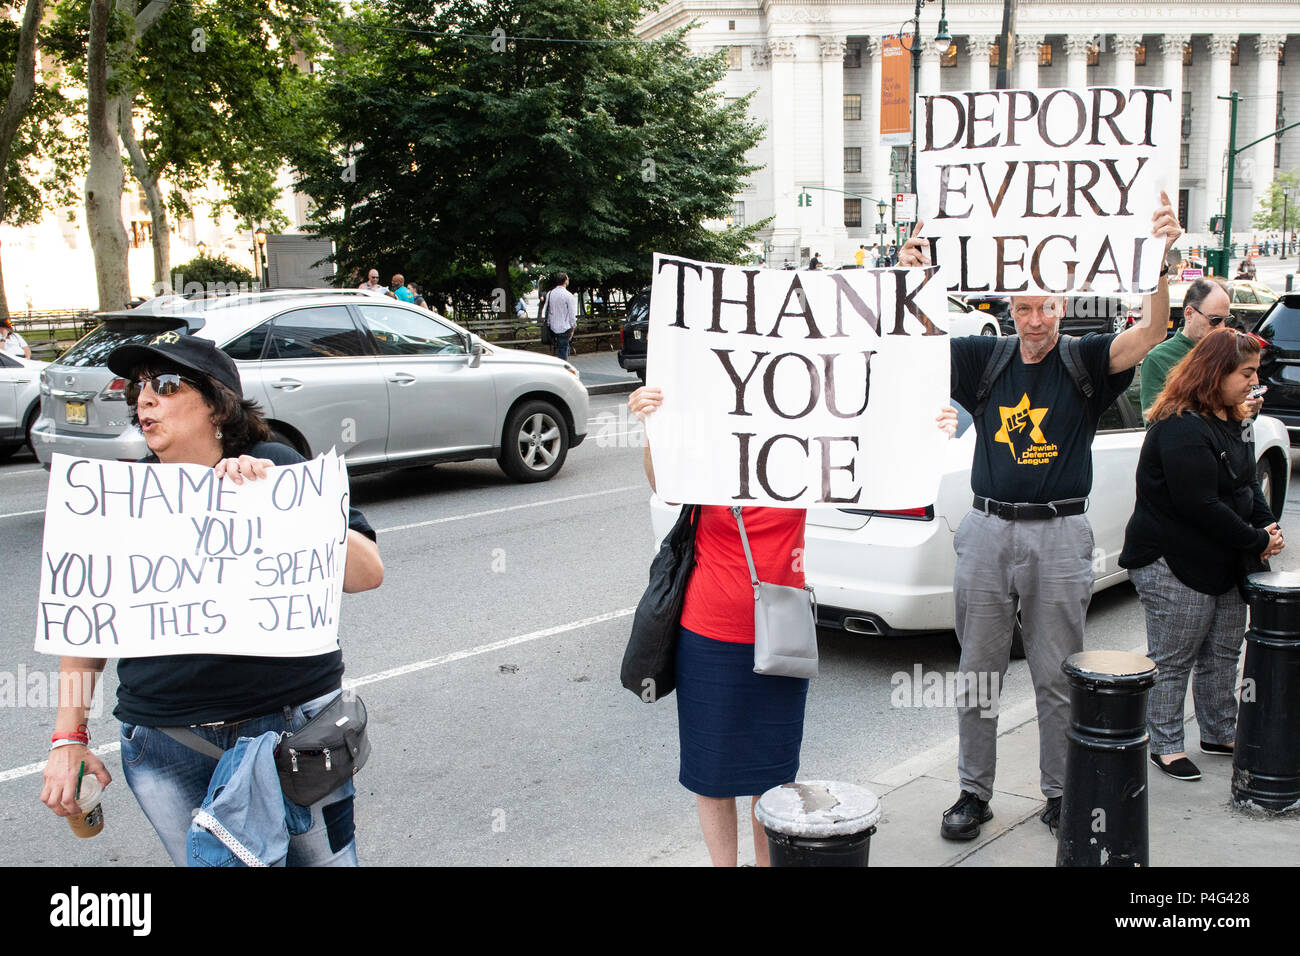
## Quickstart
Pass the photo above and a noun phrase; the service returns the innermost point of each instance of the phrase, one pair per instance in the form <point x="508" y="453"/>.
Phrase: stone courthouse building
<point x="815" y="69"/>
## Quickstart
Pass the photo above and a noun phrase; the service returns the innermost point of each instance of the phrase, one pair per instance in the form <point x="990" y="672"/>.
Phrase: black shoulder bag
<point x="650" y="661"/>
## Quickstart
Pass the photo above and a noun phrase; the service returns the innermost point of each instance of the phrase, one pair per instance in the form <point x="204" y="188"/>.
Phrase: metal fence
<point x="50" y="333"/>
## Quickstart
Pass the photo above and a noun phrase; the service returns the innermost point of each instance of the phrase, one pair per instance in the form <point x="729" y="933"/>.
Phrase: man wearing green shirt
<point x="1205" y="307"/>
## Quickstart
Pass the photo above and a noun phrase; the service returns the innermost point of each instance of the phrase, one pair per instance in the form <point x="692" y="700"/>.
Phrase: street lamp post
<point x="203" y="250"/>
<point x="1286" y="196"/>
<point x="941" y="41"/>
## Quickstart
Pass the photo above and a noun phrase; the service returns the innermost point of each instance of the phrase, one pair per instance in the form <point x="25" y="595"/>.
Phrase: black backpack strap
<point x="1072" y="355"/>
<point x="999" y="359"/>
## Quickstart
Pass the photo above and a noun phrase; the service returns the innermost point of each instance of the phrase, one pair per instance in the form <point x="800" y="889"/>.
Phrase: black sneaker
<point x="1218" y="750"/>
<point x="962" y="820"/>
<point x="1180" y="769"/>
<point x="1051" y="814"/>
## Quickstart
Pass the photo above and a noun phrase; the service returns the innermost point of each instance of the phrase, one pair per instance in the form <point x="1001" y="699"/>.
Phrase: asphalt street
<point x="489" y="663"/>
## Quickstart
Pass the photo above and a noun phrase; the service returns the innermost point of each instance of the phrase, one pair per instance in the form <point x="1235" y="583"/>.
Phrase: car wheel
<point x="280" y="438"/>
<point x="534" y="442"/>
<point x="1268" y="485"/>
<point x="988" y="330"/>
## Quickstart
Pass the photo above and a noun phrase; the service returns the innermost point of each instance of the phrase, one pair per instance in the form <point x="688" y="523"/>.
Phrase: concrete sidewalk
<point x="1191" y="824"/>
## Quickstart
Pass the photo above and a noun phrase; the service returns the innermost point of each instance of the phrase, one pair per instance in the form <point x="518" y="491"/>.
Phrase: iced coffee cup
<point x="90" y="820"/>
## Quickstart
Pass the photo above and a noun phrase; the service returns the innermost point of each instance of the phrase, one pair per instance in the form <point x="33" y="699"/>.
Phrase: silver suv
<point x="386" y="383"/>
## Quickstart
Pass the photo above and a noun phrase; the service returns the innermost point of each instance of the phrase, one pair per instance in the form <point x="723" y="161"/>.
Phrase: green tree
<point x="1271" y="203"/>
<point x="38" y="160"/>
<point x="540" y="132"/>
<point x="202" y="91"/>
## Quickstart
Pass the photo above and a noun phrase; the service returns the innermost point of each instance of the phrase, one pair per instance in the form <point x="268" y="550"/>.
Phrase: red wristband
<point x="78" y="735"/>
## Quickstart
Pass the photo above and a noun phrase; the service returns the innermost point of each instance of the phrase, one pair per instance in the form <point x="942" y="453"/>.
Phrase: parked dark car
<point x="636" y="326"/>
<point x="1279" y="362"/>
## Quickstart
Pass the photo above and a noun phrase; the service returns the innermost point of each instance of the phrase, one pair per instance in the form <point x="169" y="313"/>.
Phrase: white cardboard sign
<point x="797" y="389"/>
<point x="1045" y="191"/>
<point x="141" y="560"/>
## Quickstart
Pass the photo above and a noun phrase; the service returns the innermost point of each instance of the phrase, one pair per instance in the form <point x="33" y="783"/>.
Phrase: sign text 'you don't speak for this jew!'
<point x="141" y="560"/>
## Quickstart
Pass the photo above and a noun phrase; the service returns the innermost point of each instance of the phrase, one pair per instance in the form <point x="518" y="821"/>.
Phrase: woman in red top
<point x="739" y="731"/>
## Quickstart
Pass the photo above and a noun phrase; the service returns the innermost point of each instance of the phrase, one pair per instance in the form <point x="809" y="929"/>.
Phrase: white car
<point x="964" y="320"/>
<point x="891" y="573"/>
<point x="20" y="401"/>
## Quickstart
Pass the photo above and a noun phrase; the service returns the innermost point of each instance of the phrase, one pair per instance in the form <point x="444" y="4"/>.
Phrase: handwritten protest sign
<point x="1045" y="191"/>
<point x="146" y="559"/>
<point x="796" y="389"/>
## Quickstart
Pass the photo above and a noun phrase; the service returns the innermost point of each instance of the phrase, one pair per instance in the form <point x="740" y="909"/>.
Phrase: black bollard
<point x="1104" y="810"/>
<point x="818" y="823"/>
<point x="1266" y="758"/>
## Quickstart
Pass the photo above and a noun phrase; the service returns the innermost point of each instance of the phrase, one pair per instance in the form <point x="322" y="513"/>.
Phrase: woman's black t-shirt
<point x="184" y="689"/>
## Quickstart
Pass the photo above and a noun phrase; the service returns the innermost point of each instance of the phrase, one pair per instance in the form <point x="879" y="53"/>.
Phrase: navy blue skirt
<point x="740" y="731"/>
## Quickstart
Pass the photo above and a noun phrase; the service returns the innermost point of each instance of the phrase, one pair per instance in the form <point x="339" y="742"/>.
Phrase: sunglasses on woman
<point x="169" y="383"/>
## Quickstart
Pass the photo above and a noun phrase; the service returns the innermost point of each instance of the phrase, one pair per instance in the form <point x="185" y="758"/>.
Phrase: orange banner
<point x="895" y="90"/>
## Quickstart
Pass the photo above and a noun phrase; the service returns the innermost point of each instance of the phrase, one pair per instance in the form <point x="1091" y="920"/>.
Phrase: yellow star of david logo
<point x="166" y="338"/>
<point x="1017" y="419"/>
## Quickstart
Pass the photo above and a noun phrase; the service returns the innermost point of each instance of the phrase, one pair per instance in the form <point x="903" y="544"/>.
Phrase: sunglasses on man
<point x="1215" y="320"/>
<point x="169" y="383"/>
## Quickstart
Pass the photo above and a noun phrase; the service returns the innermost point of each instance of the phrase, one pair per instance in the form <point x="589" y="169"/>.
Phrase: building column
<point x="1217" y="110"/>
<point x="979" y="49"/>
<point x="832" y="54"/>
<point x="785" y="231"/>
<point x="1269" y="47"/>
<point x="882" y="183"/>
<point x="1125" y="68"/>
<point x="929" y="80"/>
<point x="1027" y="45"/>
<point x="1171" y="52"/>
<point x="1076" y="62"/>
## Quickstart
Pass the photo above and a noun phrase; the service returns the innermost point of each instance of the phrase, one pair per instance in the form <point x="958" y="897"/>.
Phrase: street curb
<point x="612" y="388"/>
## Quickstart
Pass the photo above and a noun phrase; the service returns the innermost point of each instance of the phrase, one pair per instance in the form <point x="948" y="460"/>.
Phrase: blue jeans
<point x="562" y="342"/>
<point x="170" y="780"/>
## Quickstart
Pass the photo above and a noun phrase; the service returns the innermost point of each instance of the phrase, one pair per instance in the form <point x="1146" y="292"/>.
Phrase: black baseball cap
<point x="180" y="349"/>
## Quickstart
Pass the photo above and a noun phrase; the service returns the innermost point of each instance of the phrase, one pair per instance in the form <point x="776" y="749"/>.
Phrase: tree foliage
<point x="539" y="132"/>
<point x="210" y="271"/>
<point x="1269" y="214"/>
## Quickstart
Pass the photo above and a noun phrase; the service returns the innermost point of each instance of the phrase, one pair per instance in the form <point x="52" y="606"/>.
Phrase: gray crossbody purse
<point x="785" y="623"/>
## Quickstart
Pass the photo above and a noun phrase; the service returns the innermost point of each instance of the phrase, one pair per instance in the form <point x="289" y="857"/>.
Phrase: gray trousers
<point x="1190" y="631"/>
<point x="1047" y="567"/>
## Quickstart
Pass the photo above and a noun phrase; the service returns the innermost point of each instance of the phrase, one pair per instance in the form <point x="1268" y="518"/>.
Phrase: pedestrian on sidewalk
<point x="11" y="343"/>
<point x="562" y="314"/>
<point x="1199" y="517"/>
<point x="1027" y="540"/>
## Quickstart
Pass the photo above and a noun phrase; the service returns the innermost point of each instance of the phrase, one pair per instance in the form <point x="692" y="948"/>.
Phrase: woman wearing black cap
<point x="186" y="397"/>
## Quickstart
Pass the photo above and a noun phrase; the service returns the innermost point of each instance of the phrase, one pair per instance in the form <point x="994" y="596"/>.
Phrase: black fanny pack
<point x="314" y="760"/>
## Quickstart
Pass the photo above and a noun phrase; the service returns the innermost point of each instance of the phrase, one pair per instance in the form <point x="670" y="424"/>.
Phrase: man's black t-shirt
<point x="203" y="688"/>
<point x="1034" y="440"/>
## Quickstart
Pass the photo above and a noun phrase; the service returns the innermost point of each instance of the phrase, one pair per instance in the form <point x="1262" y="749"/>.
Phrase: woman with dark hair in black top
<point x="1199" y="514"/>
<point x="185" y="396"/>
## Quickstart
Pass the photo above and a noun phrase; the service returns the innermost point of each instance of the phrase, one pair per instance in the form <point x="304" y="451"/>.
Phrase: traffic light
<point x="804" y="199"/>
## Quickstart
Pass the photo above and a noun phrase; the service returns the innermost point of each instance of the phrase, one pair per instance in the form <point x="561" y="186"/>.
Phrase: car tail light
<point x="913" y="514"/>
<point x="114" y="391"/>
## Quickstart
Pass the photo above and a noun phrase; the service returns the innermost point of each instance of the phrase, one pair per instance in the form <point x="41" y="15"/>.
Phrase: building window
<point x="1187" y="115"/>
<point x="853" y="106"/>
<point x="1094" y="54"/>
<point x="853" y="213"/>
<point x="1187" y="53"/>
<point x="737" y="214"/>
<point x="1044" y="54"/>
<point x="1235" y="51"/>
<point x="1185" y="156"/>
<point x="1277" y="152"/>
<point x="1140" y="54"/>
<point x="853" y="159"/>
<point x="995" y="58"/>
<point x="731" y="24"/>
<point x="1281" y="113"/>
<point x="853" y="56"/>
<point x="949" y="56"/>
<point x="733" y="57"/>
